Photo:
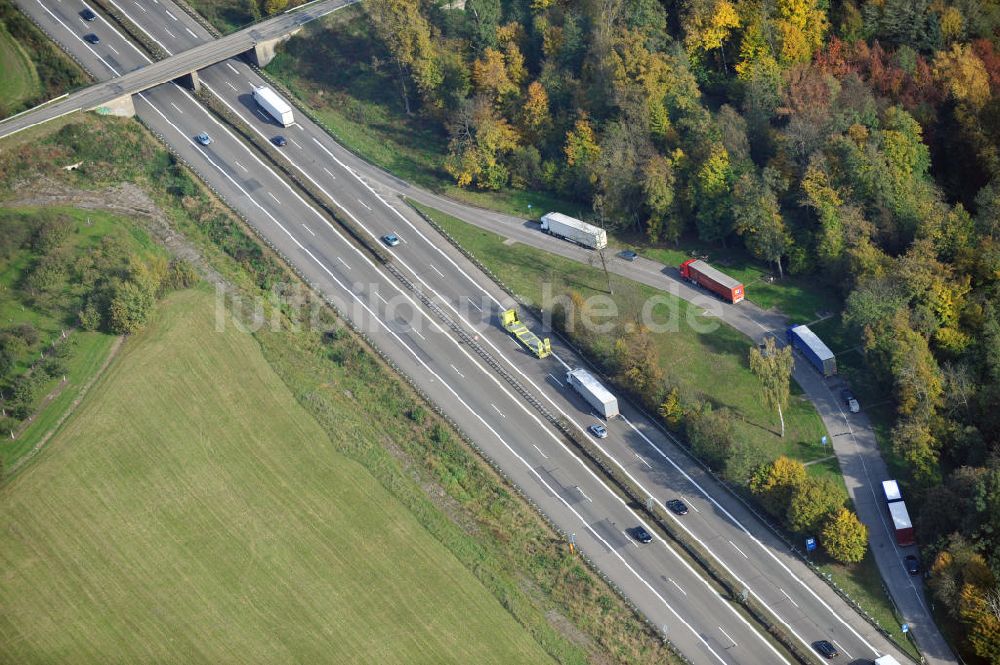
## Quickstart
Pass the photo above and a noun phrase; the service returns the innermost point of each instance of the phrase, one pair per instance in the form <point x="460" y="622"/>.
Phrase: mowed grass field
<point x="191" y="511"/>
<point x="18" y="78"/>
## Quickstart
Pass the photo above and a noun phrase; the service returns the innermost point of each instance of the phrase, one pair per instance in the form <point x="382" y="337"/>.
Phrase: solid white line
<point x="556" y="380"/>
<point x="496" y="409"/>
<point x="190" y="33"/>
<point x="169" y="14"/>
<point x="788" y="597"/>
<point x="40" y="122"/>
<point x="235" y="71"/>
<point x="728" y="636"/>
<point x="739" y="550"/>
<point x="232" y="86"/>
<point x="540" y="451"/>
<point x="364" y="204"/>
<point x="473" y="303"/>
<point x="842" y="648"/>
<point x="177" y="107"/>
<point x="241" y="166"/>
<point x="80" y="38"/>
<point x="434" y="268"/>
<point x="114" y="49"/>
<point x="329" y="174"/>
<point x="677" y="585"/>
<point x="274" y="197"/>
<point x="344" y="262"/>
<point x="33" y="108"/>
<point x="308" y="229"/>
<point x="584" y="494"/>
<point x="643" y="460"/>
<point x="457" y="372"/>
<point x="129" y="41"/>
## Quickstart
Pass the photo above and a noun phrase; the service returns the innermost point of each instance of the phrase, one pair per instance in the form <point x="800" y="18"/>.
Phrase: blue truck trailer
<point x="812" y="347"/>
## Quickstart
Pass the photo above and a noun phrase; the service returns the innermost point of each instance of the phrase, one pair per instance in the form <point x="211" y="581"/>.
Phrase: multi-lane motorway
<point x="663" y="586"/>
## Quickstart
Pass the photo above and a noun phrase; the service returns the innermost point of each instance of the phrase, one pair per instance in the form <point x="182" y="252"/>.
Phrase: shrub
<point x="811" y="503"/>
<point x="711" y="435"/>
<point x="844" y="537"/>
<point x="130" y="308"/>
<point x="774" y="484"/>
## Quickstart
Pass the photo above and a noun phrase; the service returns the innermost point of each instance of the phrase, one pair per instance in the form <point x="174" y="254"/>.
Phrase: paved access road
<point x="510" y="432"/>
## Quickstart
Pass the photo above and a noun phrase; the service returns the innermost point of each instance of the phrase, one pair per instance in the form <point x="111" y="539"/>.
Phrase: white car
<point x="850" y="401"/>
<point x="203" y="138"/>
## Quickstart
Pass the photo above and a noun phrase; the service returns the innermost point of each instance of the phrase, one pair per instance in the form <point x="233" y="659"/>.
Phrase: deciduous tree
<point x="844" y="537"/>
<point x="773" y="367"/>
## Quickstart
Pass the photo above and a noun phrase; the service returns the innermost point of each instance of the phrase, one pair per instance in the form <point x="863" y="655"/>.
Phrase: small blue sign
<point x="906" y="627"/>
<point x="810" y="544"/>
<point x="823" y="440"/>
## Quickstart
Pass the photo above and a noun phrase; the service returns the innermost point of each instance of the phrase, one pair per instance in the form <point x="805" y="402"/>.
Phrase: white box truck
<point x="275" y="106"/>
<point x="591" y="390"/>
<point x="566" y="227"/>
<point x="886" y="660"/>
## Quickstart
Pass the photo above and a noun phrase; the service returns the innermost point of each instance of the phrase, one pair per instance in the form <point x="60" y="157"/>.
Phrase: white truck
<point x="568" y="228"/>
<point x="275" y="106"/>
<point x="591" y="390"/>
<point x="886" y="660"/>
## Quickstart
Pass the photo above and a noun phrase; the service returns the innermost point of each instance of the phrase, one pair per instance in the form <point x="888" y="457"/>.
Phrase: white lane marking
<point x="344" y="262"/>
<point x="232" y="86"/>
<point x="235" y="71"/>
<point x="457" y="372"/>
<point x="459" y="399"/>
<point x="629" y="536"/>
<point x="308" y="229"/>
<point x="787" y="596"/>
<point x="364" y="204"/>
<point x="496" y="409"/>
<point x="417" y="333"/>
<point x="139" y="25"/>
<point x="473" y="303"/>
<point x="578" y="489"/>
<point x="114" y="49"/>
<point x="139" y="6"/>
<point x="261" y="114"/>
<point x="177" y="107"/>
<point x="678" y="586"/>
<point x="434" y="268"/>
<point x="643" y="460"/>
<point x="241" y="166"/>
<point x="58" y="20"/>
<point x="842" y="648"/>
<point x="169" y="14"/>
<point x="172" y="35"/>
<point x="295" y="143"/>
<point x="728" y="636"/>
<point x="379" y="296"/>
<point x="274" y="197"/>
<point x="540" y="451"/>
<point x="190" y="32"/>
<point x="693" y="507"/>
<point x="555" y="379"/>
<point x="739" y="550"/>
<point x="329" y="174"/>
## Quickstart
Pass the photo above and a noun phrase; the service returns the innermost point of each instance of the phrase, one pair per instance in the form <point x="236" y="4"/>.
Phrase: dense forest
<point x="854" y="141"/>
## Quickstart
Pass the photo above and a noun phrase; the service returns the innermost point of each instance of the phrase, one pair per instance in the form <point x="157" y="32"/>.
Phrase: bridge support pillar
<point x="189" y="81"/>
<point x="263" y="52"/>
<point x="121" y="107"/>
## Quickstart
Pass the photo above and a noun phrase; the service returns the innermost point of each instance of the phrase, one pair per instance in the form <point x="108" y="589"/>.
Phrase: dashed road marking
<point x="540" y="451"/>
<point x="739" y="550"/>
<point x="309" y="230"/>
<point x="788" y="597"/>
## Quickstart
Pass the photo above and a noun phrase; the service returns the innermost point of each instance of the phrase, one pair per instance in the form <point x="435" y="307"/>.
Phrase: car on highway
<point x="390" y="239"/>
<point x="826" y="649"/>
<point x="280" y="141"/>
<point x="92" y="38"/>
<point x="912" y="564"/>
<point x="599" y="430"/>
<point x="850" y="400"/>
<point x="203" y="138"/>
<point x="677" y="507"/>
<point x="640" y="534"/>
<point x="628" y="255"/>
<point x="88" y="15"/>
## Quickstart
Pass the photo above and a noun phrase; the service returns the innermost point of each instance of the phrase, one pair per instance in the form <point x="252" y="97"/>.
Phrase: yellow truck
<point x="540" y="347"/>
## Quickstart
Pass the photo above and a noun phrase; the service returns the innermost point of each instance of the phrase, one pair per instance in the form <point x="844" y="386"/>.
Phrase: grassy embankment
<point x="366" y="413"/>
<point x="712" y="366"/>
<point x="192" y="509"/>
<point x="20" y="80"/>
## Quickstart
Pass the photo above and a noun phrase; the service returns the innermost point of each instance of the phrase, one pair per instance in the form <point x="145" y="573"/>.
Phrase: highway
<point x="510" y="431"/>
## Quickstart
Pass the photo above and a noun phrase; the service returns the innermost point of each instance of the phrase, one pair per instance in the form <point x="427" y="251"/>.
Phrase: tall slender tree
<point x="773" y="366"/>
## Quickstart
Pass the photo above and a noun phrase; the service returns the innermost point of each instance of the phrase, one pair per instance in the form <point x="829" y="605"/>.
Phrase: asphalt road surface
<point x="511" y="432"/>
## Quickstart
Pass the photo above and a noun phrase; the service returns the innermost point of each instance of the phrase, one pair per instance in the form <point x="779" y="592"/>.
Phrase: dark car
<point x="912" y="564"/>
<point x="628" y="255"/>
<point x="92" y="38"/>
<point x="88" y="15"/>
<point x="677" y="507"/>
<point x="826" y="649"/>
<point x="280" y="141"/>
<point x="640" y="534"/>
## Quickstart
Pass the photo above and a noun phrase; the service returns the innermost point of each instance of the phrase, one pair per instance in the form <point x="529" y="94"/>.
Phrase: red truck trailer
<point x="901" y="523"/>
<point x="721" y="284"/>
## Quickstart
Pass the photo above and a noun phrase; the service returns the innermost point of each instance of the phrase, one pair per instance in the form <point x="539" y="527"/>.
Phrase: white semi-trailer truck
<point x="569" y="228"/>
<point x="591" y="390"/>
<point x="275" y="106"/>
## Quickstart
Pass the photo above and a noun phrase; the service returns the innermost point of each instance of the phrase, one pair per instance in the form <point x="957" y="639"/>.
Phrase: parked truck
<point x="568" y="228"/>
<point x="812" y="347"/>
<point x="719" y="283"/>
<point x="891" y="490"/>
<point x="275" y="106"/>
<point x="901" y="523"/>
<point x="591" y="390"/>
<point x="886" y="660"/>
<point x="540" y="347"/>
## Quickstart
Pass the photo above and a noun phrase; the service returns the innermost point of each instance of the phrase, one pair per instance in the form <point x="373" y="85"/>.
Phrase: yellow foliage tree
<point x="964" y="75"/>
<point x="709" y="24"/>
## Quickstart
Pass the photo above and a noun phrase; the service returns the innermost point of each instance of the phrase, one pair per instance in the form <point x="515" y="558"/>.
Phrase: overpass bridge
<point x="115" y="96"/>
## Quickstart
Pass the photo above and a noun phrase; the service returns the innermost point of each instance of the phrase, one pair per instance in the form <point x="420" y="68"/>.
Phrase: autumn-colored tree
<point x="658" y="182"/>
<point x="708" y="24"/>
<point x="407" y="35"/>
<point x="844" y="537"/>
<point x="774" y="484"/>
<point x="480" y="141"/>
<point x="964" y="75"/>
<point x="713" y="183"/>
<point x="802" y="25"/>
<point x="811" y="503"/>
<point x="773" y="367"/>
<point x="671" y="410"/>
<point x="534" y="114"/>
<point x="757" y="218"/>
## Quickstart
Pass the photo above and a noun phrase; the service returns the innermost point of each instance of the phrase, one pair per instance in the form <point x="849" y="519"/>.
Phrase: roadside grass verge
<point x="20" y="80"/>
<point x="191" y="496"/>
<point x="227" y="15"/>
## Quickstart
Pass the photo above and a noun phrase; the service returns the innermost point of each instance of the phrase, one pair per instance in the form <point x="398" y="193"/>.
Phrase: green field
<point x="19" y="80"/>
<point x="191" y="511"/>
